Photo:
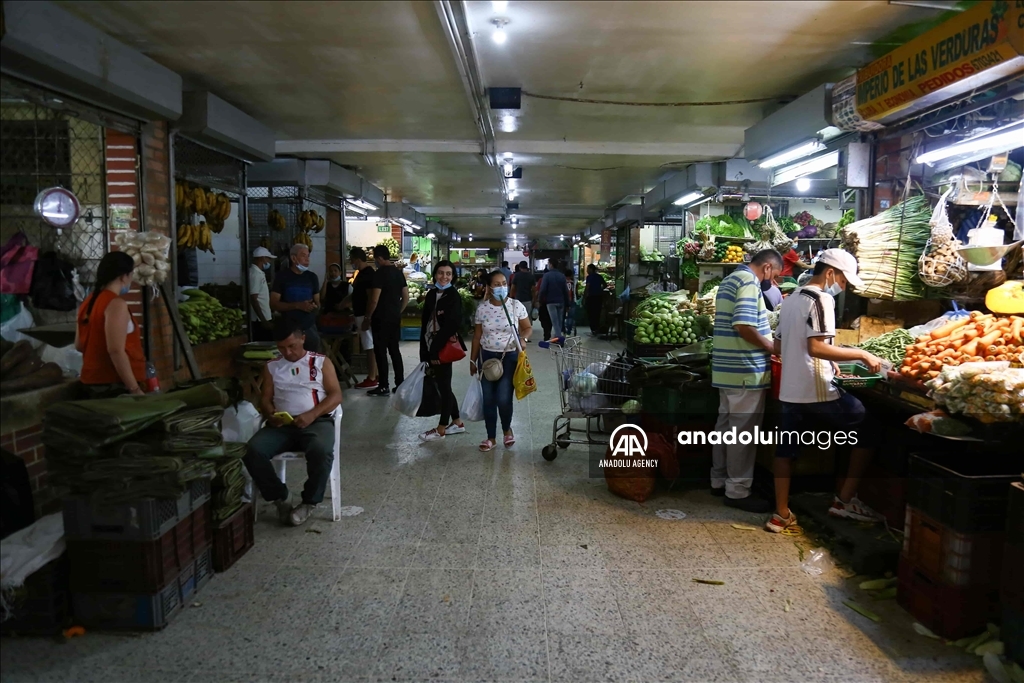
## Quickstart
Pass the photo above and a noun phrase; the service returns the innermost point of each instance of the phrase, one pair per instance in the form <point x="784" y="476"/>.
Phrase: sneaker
<point x="301" y="513"/>
<point x="379" y="391"/>
<point x="749" y="504"/>
<point x="432" y="435"/>
<point x="777" y="524"/>
<point x="855" y="509"/>
<point x="284" y="508"/>
<point x="454" y="429"/>
<point x="367" y="384"/>
<point x="718" y="493"/>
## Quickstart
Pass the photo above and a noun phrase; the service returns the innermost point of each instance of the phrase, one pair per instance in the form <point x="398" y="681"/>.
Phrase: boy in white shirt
<point x="807" y="327"/>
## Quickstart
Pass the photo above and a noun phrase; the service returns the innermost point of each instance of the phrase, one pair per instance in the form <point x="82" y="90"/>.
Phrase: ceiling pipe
<point x="460" y="40"/>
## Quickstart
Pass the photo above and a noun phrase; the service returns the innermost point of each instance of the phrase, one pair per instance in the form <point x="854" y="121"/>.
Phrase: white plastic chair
<point x="281" y="461"/>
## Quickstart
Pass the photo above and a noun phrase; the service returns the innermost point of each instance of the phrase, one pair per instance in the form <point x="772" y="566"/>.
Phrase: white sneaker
<point x="301" y="513"/>
<point x="855" y="509"/>
<point x="454" y="429"/>
<point x="432" y="435"/>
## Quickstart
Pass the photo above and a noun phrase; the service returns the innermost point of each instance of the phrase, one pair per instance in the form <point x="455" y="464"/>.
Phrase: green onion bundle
<point x="888" y="247"/>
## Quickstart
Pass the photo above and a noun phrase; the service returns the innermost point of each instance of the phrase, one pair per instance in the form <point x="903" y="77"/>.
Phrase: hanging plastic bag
<point x="473" y="404"/>
<point x="407" y="397"/>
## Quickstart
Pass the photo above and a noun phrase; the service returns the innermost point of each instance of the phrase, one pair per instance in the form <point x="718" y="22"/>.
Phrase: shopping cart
<point x="591" y="384"/>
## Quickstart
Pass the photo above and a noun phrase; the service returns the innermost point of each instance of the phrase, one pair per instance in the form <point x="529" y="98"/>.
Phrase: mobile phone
<point x="285" y="417"/>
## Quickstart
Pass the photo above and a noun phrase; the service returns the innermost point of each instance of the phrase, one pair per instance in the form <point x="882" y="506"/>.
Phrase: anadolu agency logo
<point x="628" y="448"/>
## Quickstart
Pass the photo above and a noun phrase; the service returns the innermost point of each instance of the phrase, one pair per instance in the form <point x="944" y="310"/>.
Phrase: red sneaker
<point x="367" y="384"/>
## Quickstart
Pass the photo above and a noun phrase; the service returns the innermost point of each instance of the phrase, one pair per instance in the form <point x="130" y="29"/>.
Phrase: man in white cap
<point x="259" y="295"/>
<point x="804" y="341"/>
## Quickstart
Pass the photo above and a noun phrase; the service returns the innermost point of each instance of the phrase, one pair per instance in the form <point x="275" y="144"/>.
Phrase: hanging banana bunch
<point x="276" y="220"/>
<point x="304" y="238"/>
<point x="320" y="222"/>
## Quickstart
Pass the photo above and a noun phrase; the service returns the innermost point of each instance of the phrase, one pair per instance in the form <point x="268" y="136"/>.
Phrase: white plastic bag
<point x="407" y="397"/>
<point x="9" y="329"/>
<point x="240" y="422"/>
<point x="473" y="404"/>
<point x="69" y="360"/>
<point x="817" y="563"/>
<point x="27" y="550"/>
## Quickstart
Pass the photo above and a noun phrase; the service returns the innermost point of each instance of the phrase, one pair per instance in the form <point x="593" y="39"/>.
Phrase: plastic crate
<point x="142" y="612"/>
<point x="42" y="606"/>
<point x="1012" y="633"/>
<point x="951" y="612"/>
<point x="142" y="520"/>
<point x="410" y="333"/>
<point x="960" y="491"/>
<point x="233" y="538"/>
<point x="138" y="566"/>
<point x="951" y="557"/>
<point x="885" y="492"/>
<point x="865" y="379"/>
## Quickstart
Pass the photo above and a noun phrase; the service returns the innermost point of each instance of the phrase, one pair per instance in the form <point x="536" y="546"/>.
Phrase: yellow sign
<point x="973" y="48"/>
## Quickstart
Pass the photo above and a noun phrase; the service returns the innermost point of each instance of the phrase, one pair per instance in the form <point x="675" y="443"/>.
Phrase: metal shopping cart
<point x="591" y="384"/>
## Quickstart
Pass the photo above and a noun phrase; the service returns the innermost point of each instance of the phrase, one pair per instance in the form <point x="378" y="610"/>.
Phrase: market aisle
<point x="501" y="566"/>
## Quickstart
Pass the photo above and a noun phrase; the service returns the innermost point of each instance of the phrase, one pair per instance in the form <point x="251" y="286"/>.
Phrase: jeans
<point x="557" y="313"/>
<point x="317" y="443"/>
<point x="386" y="335"/>
<point x="545" y="320"/>
<point x="594" y="304"/>
<point x="449" y="404"/>
<point x="498" y="395"/>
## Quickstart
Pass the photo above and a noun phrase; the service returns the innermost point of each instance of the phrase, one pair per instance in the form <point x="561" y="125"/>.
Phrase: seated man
<point x="304" y="385"/>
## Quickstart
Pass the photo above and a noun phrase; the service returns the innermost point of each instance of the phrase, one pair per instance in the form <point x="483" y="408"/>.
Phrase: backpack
<point x="53" y="284"/>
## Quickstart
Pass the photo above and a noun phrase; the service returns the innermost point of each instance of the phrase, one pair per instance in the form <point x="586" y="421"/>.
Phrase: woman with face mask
<point x="108" y="338"/>
<point x="441" y="321"/>
<point x="335" y="289"/>
<point x="502" y="325"/>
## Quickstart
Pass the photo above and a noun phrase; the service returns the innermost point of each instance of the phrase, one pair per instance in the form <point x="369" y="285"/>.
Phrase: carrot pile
<point x="978" y="337"/>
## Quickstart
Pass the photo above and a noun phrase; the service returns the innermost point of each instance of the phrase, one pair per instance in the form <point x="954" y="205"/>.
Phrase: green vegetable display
<point x="206" y="320"/>
<point x="655" y="256"/>
<point x="709" y="285"/>
<point x="848" y="217"/>
<point x="888" y="247"/>
<point x="723" y="225"/>
<point x="689" y="269"/>
<point x="394" y="248"/>
<point x="661" y="322"/>
<point x="892" y="346"/>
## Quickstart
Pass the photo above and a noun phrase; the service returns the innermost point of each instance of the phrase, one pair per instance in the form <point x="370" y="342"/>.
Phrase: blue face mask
<point x="302" y="268"/>
<point x="835" y="289"/>
<point x="127" y="288"/>
<point x="500" y="293"/>
<point x="444" y="286"/>
<point x="265" y="266"/>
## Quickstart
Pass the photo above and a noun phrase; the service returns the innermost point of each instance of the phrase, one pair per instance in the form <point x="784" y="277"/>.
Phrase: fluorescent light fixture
<point x="355" y="209"/>
<point x="499" y="5"/>
<point x="803" y="184"/>
<point x="595" y="238"/>
<point x="363" y="204"/>
<point x="508" y="169"/>
<point x="431" y="236"/>
<point x="792" y="154"/>
<point x="802" y="168"/>
<point x="999" y="140"/>
<point x="508" y="125"/>
<point x="506" y="155"/>
<point x="688" y="198"/>
<point x="499" y="36"/>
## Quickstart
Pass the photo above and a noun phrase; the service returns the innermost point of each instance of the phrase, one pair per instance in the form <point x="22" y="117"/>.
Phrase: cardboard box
<point x="869" y="327"/>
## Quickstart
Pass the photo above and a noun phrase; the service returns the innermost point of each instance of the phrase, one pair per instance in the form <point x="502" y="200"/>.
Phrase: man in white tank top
<point x="304" y="385"/>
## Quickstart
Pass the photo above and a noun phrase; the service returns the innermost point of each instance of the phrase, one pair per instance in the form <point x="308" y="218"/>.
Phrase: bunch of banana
<point x="218" y="208"/>
<point x="195" y="236"/>
<point x="275" y="219"/>
<point x="320" y="223"/>
<point x="311" y="220"/>
<point x="304" y="238"/>
<point x="183" y="198"/>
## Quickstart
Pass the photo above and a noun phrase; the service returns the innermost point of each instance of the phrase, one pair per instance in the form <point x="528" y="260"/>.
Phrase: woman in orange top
<point x="107" y="336"/>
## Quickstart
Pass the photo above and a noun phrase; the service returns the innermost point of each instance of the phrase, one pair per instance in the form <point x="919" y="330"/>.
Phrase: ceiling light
<point x="688" y="198"/>
<point x="363" y="204"/>
<point x="512" y="195"/>
<point x="999" y="140"/>
<point x="470" y="238"/>
<point x="791" y="154"/>
<point x="802" y="168"/>
<point x="508" y="124"/>
<point x="803" y="184"/>
<point x="595" y="238"/>
<point x="506" y="155"/>
<point x="499" y="36"/>
<point x="499" y="5"/>
<point x="356" y="209"/>
<point x="507" y="168"/>
<point x="513" y="183"/>
<point x="431" y="236"/>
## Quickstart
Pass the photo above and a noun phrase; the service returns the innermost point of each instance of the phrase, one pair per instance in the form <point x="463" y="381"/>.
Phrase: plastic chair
<point x="281" y="460"/>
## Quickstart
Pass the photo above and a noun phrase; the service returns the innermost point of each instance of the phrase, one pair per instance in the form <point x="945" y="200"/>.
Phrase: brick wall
<point x="332" y="232"/>
<point x="27" y="444"/>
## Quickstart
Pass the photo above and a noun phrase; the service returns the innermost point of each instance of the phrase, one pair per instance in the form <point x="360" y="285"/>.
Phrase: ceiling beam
<point x="495" y="211"/>
<point x="696" y="150"/>
<point x="385" y="145"/>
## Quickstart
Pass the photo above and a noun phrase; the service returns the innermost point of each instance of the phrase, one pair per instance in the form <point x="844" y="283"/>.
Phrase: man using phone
<point x="304" y="385"/>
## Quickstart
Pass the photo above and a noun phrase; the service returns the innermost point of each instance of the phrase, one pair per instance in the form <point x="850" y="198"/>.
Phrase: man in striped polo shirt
<point x="741" y="370"/>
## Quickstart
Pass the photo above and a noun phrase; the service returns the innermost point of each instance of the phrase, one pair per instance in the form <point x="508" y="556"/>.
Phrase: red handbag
<point x="452" y="351"/>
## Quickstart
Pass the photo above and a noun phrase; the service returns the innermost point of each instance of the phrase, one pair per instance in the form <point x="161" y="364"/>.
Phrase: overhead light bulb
<point x="499" y="36"/>
<point x="470" y="238"/>
<point x="499" y="5"/>
<point x="687" y="198"/>
<point x="508" y="170"/>
<point x="803" y="184"/>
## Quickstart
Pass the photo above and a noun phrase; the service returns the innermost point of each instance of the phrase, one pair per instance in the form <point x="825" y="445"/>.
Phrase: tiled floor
<point x="505" y="567"/>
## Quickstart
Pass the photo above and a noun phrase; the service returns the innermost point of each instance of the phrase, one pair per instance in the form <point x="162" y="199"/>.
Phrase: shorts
<point x="365" y="338"/>
<point x="846" y="414"/>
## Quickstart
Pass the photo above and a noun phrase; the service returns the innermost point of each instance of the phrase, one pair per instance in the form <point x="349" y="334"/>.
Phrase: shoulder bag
<point x="453" y="351"/>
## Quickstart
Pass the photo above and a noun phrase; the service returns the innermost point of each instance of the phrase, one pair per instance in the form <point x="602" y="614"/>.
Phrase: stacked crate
<point x="134" y="566"/>
<point x="1012" y="596"/>
<point x="954" y="533"/>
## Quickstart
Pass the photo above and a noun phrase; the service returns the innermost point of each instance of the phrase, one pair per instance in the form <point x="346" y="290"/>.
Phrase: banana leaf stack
<point x="229" y="483"/>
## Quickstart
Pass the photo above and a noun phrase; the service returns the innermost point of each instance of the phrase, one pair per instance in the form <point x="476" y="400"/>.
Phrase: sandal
<point x="510" y="441"/>
<point x="487" y="445"/>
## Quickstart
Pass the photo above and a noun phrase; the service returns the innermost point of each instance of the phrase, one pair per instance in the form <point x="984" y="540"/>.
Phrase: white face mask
<point x="834" y="289"/>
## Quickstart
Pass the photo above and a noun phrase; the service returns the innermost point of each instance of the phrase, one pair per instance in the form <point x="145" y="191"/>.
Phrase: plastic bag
<point x="241" y="422"/>
<point x="817" y="562"/>
<point x="407" y="397"/>
<point x="430" y="403"/>
<point x="9" y="330"/>
<point x="473" y="404"/>
<point x="69" y="360"/>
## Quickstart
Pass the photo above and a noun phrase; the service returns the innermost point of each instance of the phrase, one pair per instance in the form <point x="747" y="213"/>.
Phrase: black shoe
<point x="379" y="391"/>
<point x="718" y="492"/>
<point x="749" y="504"/>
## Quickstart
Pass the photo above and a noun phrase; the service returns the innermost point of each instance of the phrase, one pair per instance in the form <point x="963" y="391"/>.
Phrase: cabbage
<point x="631" y="407"/>
<point x="584" y="383"/>
<point x="810" y="231"/>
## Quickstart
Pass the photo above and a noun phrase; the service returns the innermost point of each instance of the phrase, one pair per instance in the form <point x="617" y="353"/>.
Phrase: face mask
<point x="834" y="289"/>
<point x="126" y="288"/>
<point x="265" y="266"/>
<point x="500" y="293"/>
<point x="302" y="268"/>
<point x="336" y="279"/>
<point x="444" y="286"/>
